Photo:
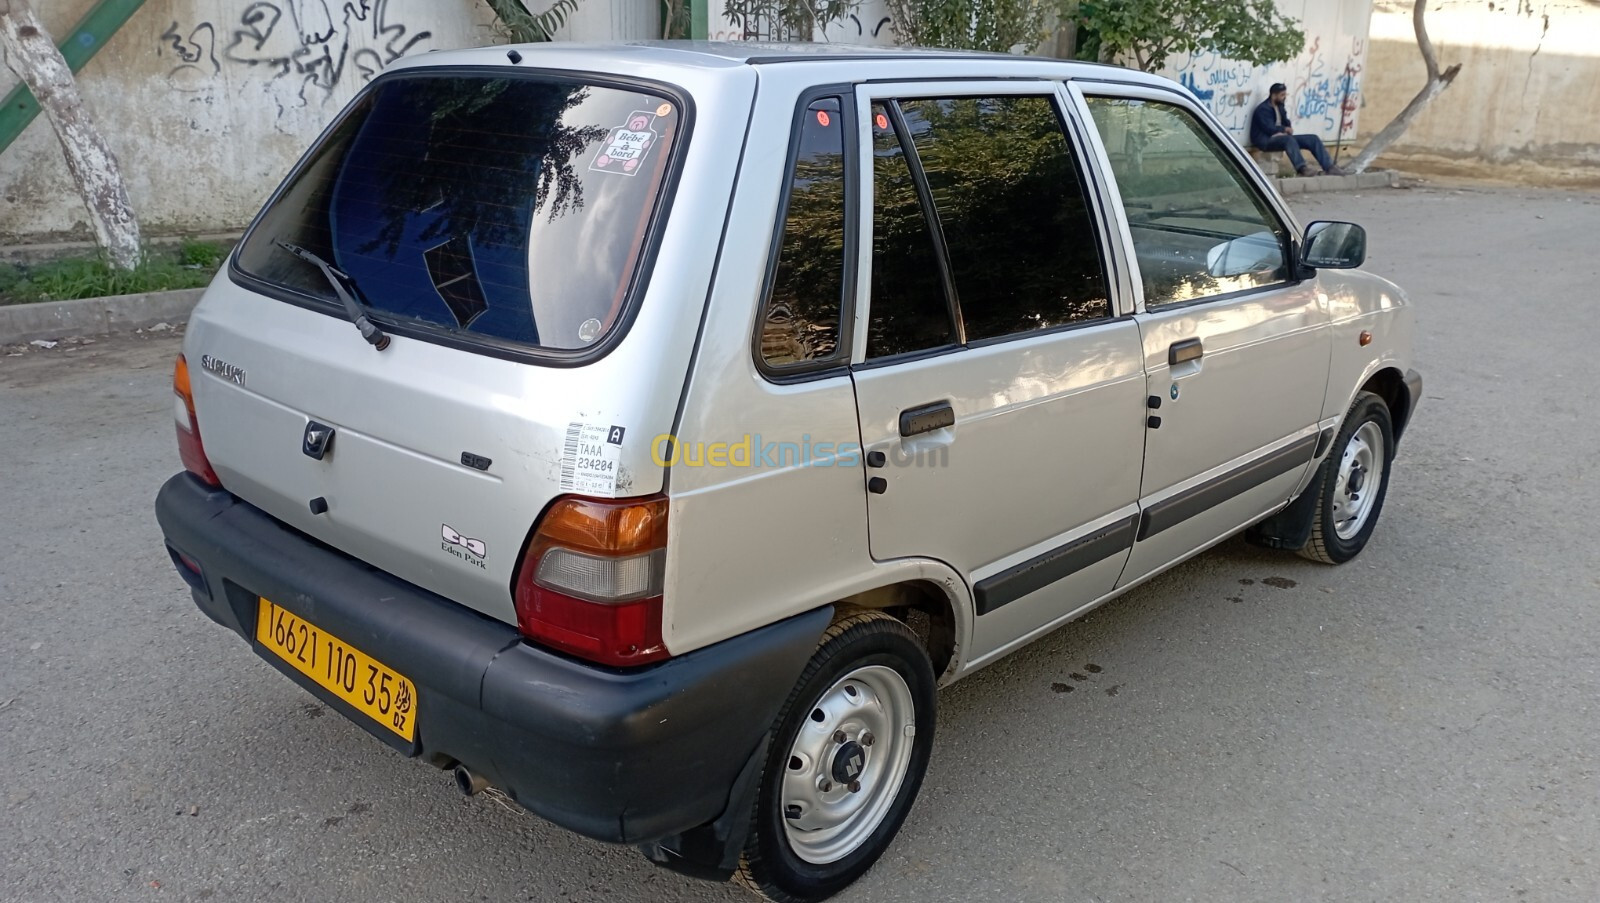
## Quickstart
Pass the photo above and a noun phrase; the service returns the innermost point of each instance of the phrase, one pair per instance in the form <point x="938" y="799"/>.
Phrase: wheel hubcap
<point x="847" y="764"/>
<point x="1360" y="478"/>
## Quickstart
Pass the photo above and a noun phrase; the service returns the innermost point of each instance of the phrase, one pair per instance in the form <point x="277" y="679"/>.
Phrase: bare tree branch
<point x="1437" y="82"/>
<point x="31" y="53"/>
<point x="1418" y="16"/>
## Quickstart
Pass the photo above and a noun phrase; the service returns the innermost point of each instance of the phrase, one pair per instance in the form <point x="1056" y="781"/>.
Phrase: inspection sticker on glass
<point x="627" y="145"/>
<point x="590" y="457"/>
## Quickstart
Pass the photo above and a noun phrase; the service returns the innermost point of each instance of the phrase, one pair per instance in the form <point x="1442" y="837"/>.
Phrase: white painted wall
<point x="208" y="103"/>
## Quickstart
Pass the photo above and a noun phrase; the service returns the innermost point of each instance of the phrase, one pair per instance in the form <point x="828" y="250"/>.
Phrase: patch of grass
<point x="190" y="265"/>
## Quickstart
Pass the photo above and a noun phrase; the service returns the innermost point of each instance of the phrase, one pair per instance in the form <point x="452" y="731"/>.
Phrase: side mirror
<point x="1334" y="246"/>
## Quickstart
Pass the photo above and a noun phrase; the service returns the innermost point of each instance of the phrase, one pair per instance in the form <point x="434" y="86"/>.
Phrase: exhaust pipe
<point x="468" y="783"/>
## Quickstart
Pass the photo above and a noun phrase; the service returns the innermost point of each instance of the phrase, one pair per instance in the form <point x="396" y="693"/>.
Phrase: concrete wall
<point x="1526" y="105"/>
<point x="1325" y="81"/>
<point x="208" y="103"/>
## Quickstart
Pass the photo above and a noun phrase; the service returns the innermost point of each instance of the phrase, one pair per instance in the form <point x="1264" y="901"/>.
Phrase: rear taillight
<point x="189" y="447"/>
<point x="590" y="582"/>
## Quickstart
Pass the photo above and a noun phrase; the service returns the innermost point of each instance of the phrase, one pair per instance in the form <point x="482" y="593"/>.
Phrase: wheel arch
<point x="1389" y="383"/>
<point x="931" y="605"/>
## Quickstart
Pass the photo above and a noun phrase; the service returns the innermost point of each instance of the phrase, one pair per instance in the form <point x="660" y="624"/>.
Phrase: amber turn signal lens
<point x="606" y="527"/>
<point x="190" y="450"/>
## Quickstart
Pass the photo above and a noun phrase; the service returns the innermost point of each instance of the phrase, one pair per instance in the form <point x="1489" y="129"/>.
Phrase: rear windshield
<point x="512" y="209"/>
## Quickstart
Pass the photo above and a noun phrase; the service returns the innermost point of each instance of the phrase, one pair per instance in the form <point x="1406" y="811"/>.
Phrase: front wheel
<point x="1352" y="483"/>
<point x="847" y="757"/>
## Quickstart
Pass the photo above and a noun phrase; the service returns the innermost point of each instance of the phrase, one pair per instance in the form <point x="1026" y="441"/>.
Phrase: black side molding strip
<point x="1062" y="561"/>
<point x="1175" y="510"/>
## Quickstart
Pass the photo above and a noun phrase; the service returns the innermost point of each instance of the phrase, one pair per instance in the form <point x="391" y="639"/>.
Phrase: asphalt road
<point x="1419" y="724"/>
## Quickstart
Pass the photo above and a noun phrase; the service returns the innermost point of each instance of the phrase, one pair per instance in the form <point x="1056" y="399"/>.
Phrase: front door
<point x="1000" y="394"/>
<point x="1235" y="347"/>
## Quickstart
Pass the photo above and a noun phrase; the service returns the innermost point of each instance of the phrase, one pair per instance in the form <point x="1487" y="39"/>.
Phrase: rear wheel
<point x="846" y="760"/>
<point x="1353" y="482"/>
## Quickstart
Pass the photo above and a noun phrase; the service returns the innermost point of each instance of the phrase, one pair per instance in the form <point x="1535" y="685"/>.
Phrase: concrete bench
<point x="1268" y="161"/>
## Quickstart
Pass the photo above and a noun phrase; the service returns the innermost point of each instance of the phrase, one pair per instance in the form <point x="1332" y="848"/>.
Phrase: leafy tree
<point x="523" y="27"/>
<point x="1150" y="31"/>
<point x="786" y="20"/>
<point x="994" y="25"/>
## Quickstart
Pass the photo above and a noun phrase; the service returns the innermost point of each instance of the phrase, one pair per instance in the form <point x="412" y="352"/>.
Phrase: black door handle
<point x="927" y="418"/>
<point x="1184" y="351"/>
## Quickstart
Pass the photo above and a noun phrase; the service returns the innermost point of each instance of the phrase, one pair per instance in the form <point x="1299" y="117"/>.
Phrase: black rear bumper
<point x="619" y="755"/>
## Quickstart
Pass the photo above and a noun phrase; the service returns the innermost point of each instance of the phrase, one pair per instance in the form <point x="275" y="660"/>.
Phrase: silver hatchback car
<point x="648" y="431"/>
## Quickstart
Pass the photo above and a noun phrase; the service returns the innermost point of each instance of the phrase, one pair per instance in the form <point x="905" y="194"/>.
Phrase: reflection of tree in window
<point x="1023" y="249"/>
<point x="1197" y="229"/>
<point x="908" y="308"/>
<point x="481" y="146"/>
<point x="802" y="318"/>
<point x="471" y="203"/>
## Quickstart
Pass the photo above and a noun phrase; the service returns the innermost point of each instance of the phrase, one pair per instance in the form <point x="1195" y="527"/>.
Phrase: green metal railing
<point x="79" y="46"/>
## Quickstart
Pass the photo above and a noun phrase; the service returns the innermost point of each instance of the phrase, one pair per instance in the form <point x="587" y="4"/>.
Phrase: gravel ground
<point x="1418" y="724"/>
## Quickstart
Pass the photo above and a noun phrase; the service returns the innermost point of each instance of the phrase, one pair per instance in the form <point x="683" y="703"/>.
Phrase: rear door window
<point x="508" y="209"/>
<point x="910" y="309"/>
<point x="1023" y="250"/>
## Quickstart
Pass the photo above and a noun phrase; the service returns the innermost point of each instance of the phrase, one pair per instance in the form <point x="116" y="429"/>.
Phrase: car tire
<point x="864" y="707"/>
<point x="1349" y="494"/>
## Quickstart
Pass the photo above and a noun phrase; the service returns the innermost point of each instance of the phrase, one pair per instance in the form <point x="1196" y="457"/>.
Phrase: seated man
<point x="1270" y="130"/>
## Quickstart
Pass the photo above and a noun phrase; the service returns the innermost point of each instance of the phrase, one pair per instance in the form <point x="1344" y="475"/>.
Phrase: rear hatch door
<point x="497" y="226"/>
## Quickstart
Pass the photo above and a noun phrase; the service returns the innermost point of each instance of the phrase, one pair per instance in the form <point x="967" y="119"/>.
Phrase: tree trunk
<point x="1437" y="82"/>
<point x="32" y="55"/>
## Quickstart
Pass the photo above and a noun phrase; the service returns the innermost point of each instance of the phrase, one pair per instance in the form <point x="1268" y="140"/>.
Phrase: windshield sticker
<point x="590" y="458"/>
<point x="627" y="145"/>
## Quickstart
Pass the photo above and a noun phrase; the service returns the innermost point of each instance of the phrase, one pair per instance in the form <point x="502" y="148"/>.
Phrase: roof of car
<point x="738" y="54"/>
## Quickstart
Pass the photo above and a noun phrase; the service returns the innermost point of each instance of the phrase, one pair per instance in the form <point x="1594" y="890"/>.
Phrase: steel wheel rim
<point x="870" y="712"/>
<point x="1360" y="477"/>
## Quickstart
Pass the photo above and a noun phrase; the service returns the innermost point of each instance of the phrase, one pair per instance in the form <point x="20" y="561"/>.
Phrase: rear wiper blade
<point x="352" y="308"/>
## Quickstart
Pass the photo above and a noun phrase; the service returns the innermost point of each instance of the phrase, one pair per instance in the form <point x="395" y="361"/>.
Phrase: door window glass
<point x="1023" y="250"/>
<point x="801" y="322"/>
<point x="1199" y="227"/>
<point x="909" y="311"/>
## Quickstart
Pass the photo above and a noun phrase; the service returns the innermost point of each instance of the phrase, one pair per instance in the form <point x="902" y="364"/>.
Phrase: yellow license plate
<point x="343" y="670"/>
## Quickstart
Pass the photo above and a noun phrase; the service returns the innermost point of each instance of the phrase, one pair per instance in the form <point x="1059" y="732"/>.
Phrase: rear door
<point x="999" y="386"/>
<point x="1236" y="347"/>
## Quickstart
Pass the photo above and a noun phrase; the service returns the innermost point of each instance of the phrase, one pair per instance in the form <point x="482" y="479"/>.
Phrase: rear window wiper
<point x="376" y="337"/>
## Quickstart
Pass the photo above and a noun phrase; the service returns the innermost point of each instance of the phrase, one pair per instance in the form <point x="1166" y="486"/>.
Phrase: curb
<point x="22" y="323"/>
<point x="1383" y="178"/>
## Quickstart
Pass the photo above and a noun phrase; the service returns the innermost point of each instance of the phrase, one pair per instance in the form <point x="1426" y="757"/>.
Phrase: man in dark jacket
<point x="1270" y="130"/>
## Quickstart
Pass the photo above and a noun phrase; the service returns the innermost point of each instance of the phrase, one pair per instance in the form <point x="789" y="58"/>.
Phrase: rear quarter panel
<point x="750" y="545"/>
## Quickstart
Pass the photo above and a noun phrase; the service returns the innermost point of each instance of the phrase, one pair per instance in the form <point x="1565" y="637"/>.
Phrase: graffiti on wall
<point x="1324" y="99"/>
<point x="1225" y="87"/>
<point x="1324" y="88"/>
<point x="319" y="43"/>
